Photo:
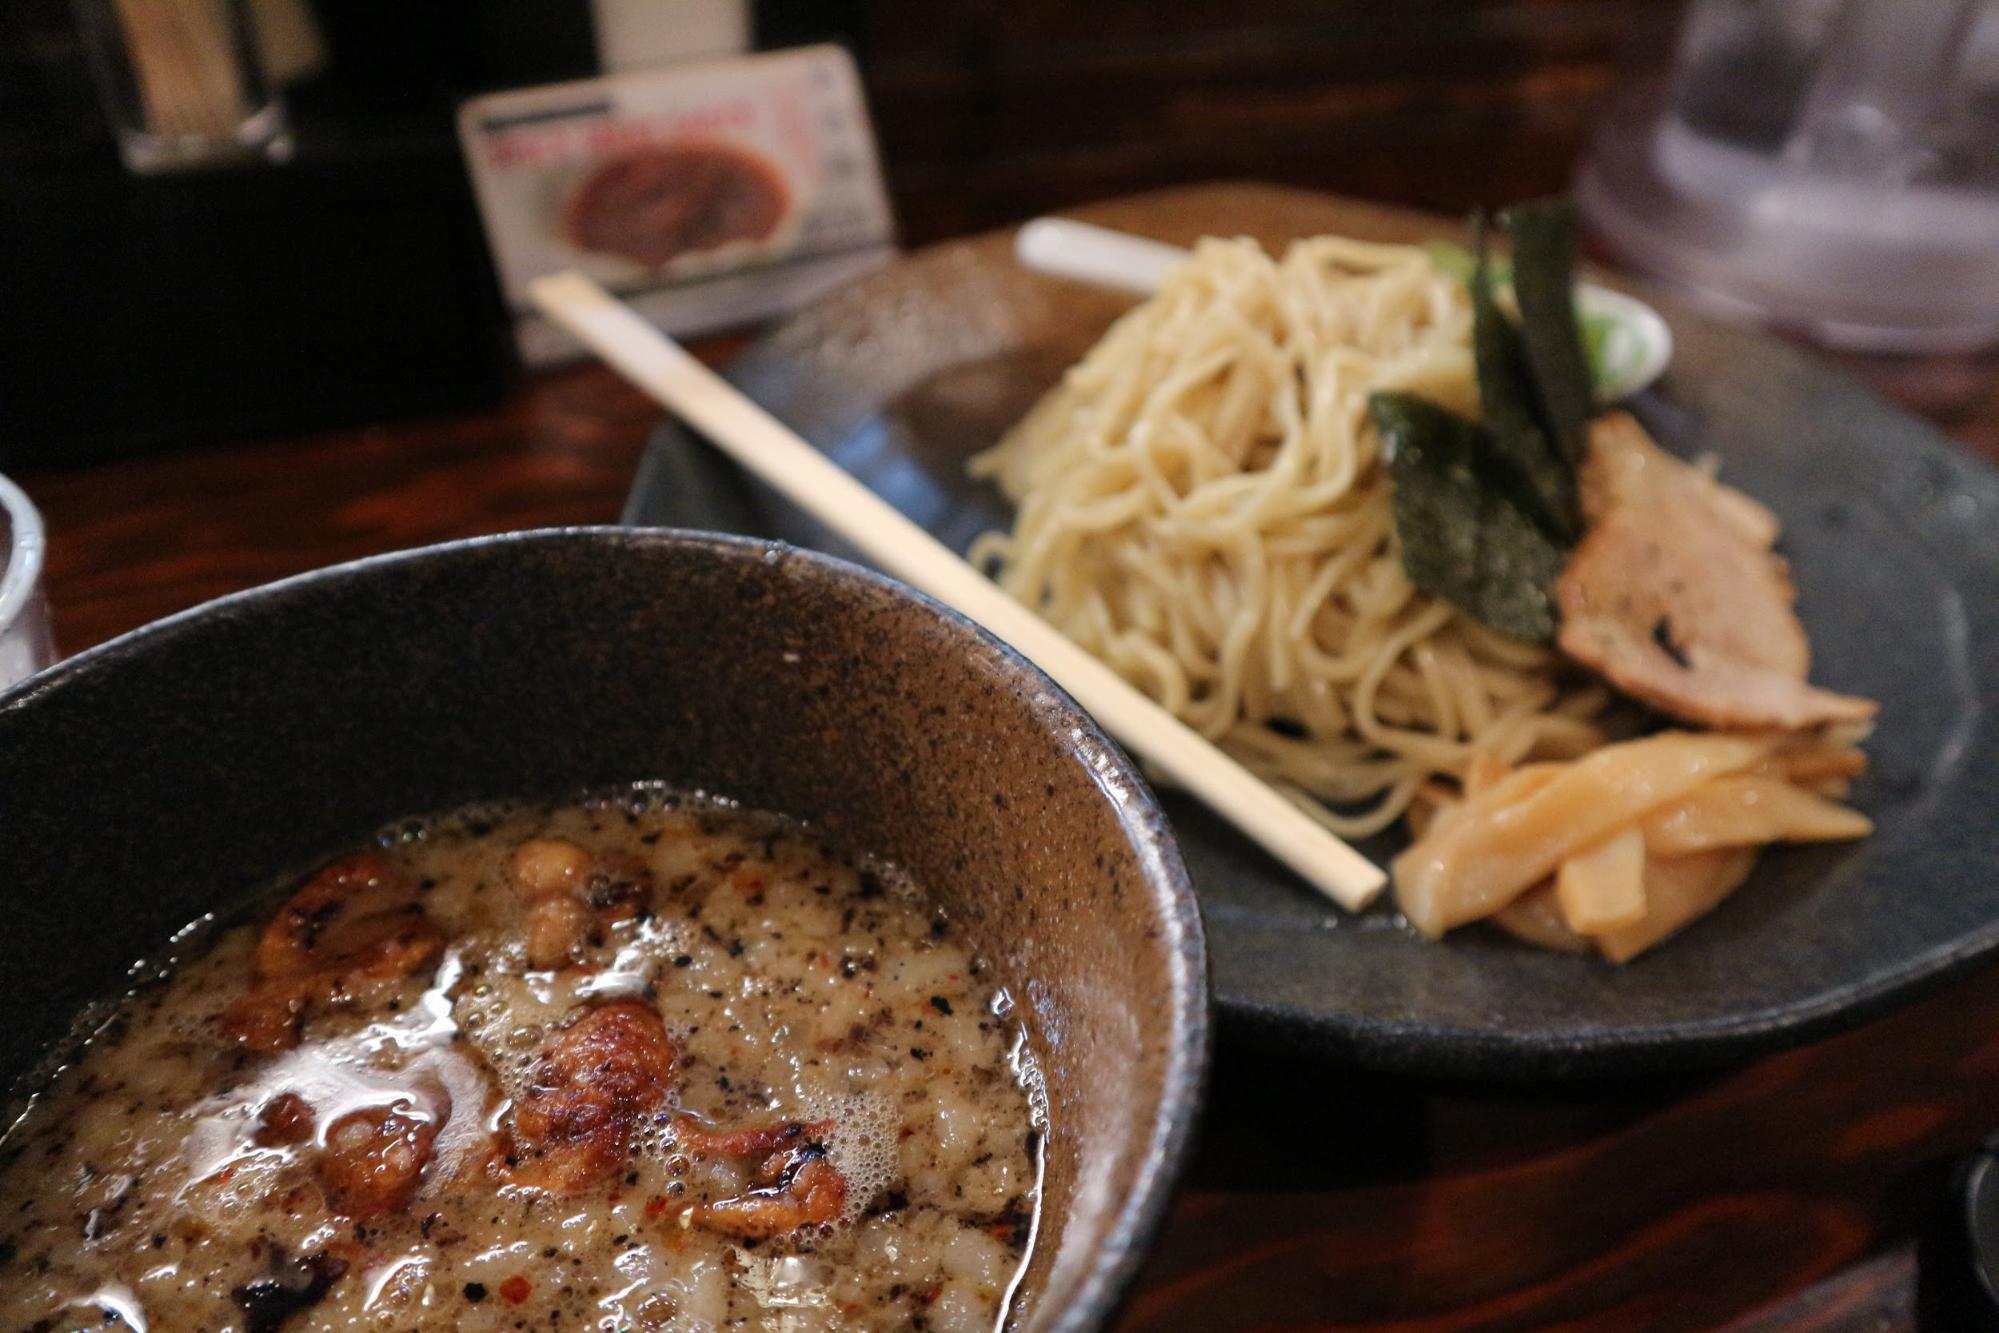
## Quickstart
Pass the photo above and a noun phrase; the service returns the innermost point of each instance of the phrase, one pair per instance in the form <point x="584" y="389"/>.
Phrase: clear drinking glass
<point x="26" y="645"/>
<point x="1830" y="167"/>
<point x="181" y="82"/>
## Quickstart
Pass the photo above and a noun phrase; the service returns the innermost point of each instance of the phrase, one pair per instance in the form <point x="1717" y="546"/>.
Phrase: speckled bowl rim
<point x="1190" y="1024"/>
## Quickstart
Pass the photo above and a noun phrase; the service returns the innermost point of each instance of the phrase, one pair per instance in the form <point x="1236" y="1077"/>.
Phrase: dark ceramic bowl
<point x="172" y="772"/>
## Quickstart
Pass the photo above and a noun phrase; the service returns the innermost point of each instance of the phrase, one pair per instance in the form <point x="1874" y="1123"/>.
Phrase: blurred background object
<point x="1829" y="167"/>
<point x="347" y="284"/>
<point x="711" y="192"/>
<point x="635" y="34"/>
<point x="255" y="297"/>
<point x="188" y="83"/>
<point x="992" y="111"/>
<point x="26" y="646"/>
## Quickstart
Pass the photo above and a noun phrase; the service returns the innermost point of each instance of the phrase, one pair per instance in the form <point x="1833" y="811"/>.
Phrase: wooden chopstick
<point x="770" y="449"/>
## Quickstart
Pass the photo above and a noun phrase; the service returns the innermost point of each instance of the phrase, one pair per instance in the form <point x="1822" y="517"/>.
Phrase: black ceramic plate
<point x="1893" y="535"/>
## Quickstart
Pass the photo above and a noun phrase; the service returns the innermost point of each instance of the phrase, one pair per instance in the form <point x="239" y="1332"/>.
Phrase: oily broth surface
<point x="795" y="986"/>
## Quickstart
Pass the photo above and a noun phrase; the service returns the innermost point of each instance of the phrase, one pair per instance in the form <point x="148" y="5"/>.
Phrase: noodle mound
<point x="1202" y="504"/>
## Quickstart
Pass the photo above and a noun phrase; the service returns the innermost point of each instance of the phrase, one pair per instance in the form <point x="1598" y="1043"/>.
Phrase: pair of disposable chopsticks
<point x="770" y="449"/>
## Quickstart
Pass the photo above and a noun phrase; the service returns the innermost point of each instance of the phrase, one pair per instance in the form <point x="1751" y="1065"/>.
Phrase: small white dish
<point x="1635" y="347"/>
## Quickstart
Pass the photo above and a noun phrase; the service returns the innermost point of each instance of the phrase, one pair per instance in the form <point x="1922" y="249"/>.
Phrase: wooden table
<point x="1782" y="1194"/>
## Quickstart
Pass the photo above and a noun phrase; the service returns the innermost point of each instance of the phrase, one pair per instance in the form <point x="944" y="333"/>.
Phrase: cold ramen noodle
<point x="628" y="1064"/>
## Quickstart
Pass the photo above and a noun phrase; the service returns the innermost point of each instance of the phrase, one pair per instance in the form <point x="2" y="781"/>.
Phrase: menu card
<point x="708" y="194"/>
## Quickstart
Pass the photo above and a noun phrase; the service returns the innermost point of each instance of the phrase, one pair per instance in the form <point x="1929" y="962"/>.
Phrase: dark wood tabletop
<point x="1781" y="1195"/>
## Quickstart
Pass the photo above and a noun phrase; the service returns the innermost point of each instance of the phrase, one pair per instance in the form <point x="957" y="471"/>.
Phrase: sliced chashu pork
<point x="1676" y="598"/>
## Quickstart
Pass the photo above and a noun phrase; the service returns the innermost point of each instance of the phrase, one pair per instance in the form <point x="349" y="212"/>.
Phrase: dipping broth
<point x="634" y="1063"/>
